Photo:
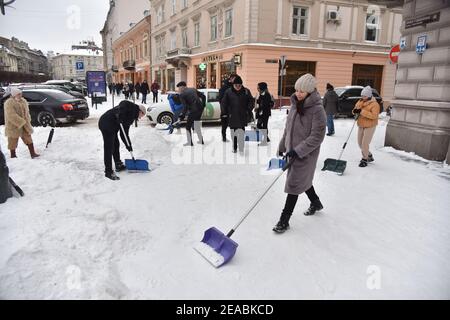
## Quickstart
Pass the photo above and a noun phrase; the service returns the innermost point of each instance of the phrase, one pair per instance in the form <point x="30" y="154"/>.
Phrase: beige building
<point x="8" y="60"/>
<point x="64" y="66"/>
<point x="341" y="42"/>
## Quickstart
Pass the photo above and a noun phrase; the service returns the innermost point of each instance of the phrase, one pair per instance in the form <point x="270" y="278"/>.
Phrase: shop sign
<point x="212" y="58"/>
<point x="422" y="20"/>
<point x="421" y="44"/>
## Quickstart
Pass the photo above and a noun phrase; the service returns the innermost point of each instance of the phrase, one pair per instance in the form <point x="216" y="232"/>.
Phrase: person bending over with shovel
<point x="109" y="124"/>
<point x="303" y="135"/>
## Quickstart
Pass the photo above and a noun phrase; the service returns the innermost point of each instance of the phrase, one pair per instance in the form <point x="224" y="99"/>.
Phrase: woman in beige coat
<point x="368" y="110"/>
<point x="18" y="123"/>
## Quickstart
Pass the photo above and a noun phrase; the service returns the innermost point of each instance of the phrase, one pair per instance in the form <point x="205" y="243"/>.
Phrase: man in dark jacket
<point x="227" y="84"/>
<point x="263" y="111"/>
<point x="144" y="90"/>
<point x="155" y="87"/>
<point x="238" y="105"/>
<point x="330" y="103"/>
<point x="109" y="124"/>
<point x="193" y="109"/>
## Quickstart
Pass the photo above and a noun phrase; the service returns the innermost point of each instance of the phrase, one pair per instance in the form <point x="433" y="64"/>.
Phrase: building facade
<point x="27" y="61"/>
<point x="420" y="120"/>
<point x="341" y="42"/>
<point x="8" y="60"/>
<point x="73" y="65"/>
<point x="121" y="17"/>
<point x="132" y="53"/>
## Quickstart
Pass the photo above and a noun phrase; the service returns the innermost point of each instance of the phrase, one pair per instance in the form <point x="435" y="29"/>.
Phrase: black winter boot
<point x="370" y="159"/>
<point x="316" y="205"/>
<point x="112" y="176"/>
<point x="363" y="163"/>
<point x="120" y="166"/>
<point x="283" y="224"/>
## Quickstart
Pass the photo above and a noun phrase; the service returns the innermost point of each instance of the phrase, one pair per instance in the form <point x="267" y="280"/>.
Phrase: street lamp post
<point x="282" y="63"/>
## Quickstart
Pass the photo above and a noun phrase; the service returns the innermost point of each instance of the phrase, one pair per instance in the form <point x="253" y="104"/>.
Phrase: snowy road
<point x="384" y="232"/>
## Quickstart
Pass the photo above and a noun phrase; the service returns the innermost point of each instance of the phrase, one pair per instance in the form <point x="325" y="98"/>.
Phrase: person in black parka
<point x="238" y="105"/>
<point x="227" y="84"/>
<point x="109" y="124"/>
<point x="193" y="105"/>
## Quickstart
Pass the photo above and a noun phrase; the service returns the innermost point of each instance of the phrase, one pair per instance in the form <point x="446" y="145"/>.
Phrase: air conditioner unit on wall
<point x="333" y="15"/>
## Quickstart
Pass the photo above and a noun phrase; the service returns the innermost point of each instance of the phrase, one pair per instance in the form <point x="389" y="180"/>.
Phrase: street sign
<point x="393" y="54"/>
<point x="283" y="61"/>
<point x="421" y="44"/>
<point x="402" y="43"/>
<point x="79" y="65"/>
<point x="96" y="83"/>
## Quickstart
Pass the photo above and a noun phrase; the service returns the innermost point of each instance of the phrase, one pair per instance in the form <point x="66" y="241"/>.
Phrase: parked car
<point x="349" y="95"/>
<point x="69" y="85"/>
<point x="75" y="94"/>
<point x="162" y="113"/>
<point x="49" y="107"/>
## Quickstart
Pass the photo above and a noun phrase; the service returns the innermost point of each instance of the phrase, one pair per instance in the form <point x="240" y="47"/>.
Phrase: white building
<point x="73" y="65"/>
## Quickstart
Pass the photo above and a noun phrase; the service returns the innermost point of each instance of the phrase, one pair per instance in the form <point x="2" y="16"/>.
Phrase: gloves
<point x="291" y="154"/>
<point x="280" y="154"/>
<point x="356" y="111"/>
<point x="130" y="148"/>
<point x="182" y="116"/>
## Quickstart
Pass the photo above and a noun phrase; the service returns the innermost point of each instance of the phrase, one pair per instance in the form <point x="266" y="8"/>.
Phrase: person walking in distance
<point x="330" y="103"/>
<point x="144" y="90"/>
<point x="301" y="141"/>
<point x="263" y="111"/>
<point x="155" y="88"/>
<point x="368" y="110"/>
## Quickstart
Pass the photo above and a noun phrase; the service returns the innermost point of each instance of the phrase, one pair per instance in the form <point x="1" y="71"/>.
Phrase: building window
<point x="300" y="21"/>
<point x="228" y="22"/>
<point x="184" y="37"/>
<point x="146" y="51"/>
<point x="213" y="28"/>
<point x="174" y="6"/>
<point x="173" y="40"/>
<point x="197" y="34"/>
<point x="163" y="45"/>
<point x="184" y="4"/>
<point x="160" y="14"/>
<point x="372" y="27"/>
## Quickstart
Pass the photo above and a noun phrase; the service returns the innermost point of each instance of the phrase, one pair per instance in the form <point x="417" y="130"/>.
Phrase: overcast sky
<point x="54" y="25"/>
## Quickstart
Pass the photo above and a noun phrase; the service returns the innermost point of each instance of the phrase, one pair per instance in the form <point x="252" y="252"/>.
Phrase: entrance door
<point x="213" y="75"/>
<point x="367" y="75"/>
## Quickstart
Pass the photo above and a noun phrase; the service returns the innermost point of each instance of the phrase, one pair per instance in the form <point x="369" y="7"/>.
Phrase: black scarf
<point x="301" y="104"/>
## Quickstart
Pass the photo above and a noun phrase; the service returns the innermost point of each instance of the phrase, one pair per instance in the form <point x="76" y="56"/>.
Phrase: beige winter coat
<point x="17" y="118"/>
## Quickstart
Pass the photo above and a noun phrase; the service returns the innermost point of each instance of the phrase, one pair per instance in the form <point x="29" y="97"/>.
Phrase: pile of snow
<point x="383" y="233"/>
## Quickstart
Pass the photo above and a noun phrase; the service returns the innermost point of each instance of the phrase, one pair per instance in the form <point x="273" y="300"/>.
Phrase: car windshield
<point x="59" y="95"/>
<point x="339" y="91"/>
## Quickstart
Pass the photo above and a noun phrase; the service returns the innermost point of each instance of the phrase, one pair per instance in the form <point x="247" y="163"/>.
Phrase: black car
<point x="69" y="85"/>
<point x="75" y="94"/>
<point x="49" y="107"/>
<point x="348" y="96"/>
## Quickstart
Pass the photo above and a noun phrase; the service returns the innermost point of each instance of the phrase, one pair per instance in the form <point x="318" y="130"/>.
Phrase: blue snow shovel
<point x="132" y="164"/>
<point x="276" y="163"/>
<point x="216" y="247"/>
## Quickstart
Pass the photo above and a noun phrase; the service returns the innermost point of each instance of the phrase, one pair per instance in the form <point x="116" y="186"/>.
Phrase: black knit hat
<point x="181" y="84"/>
<point x="329" y="87"/>
<point x="262" y="86"/>
<point x="237" y="80"/>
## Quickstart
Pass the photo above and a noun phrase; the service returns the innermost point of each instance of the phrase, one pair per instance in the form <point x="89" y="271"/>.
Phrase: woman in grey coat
<point x="303" y="135"/>
<point x="330" y="103"/>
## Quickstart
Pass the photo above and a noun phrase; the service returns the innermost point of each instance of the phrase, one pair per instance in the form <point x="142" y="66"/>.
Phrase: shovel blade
<point x="216" y="247"/>
<point x="334" y="165"/>
<point x="276" y="163"/>
<point x="136" y="165"/>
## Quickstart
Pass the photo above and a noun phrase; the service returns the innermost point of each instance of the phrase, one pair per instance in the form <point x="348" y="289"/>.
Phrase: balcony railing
<point x="178" y="52"/>
<point x="129" y="65"/>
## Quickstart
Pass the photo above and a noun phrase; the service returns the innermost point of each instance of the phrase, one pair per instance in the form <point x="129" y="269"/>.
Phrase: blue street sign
<point x="402" y="43"/>
<point x="421" y="44"/>
<point x="79" y="65"/>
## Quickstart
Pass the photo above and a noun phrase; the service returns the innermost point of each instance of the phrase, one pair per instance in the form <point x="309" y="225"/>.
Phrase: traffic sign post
<point x="283" y="64"/>
<point x="393" y="54"/>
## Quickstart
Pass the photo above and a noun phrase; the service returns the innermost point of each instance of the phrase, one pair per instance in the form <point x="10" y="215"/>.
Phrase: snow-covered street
<point x="384" y="232"/>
